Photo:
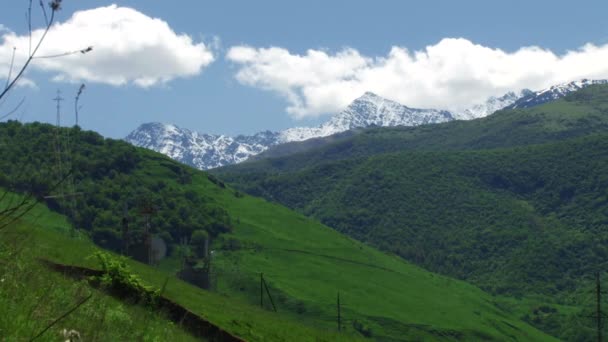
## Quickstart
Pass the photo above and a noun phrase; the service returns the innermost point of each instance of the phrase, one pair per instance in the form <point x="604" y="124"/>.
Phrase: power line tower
<point x="58" y="100"/>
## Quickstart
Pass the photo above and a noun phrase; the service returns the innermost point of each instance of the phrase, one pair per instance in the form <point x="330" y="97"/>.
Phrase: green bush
<point x="118" y="279"/>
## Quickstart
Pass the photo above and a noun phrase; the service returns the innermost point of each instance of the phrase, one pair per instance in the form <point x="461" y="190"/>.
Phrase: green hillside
<point x="514" y="203"/>
<point x="305" y="264"/>
<point x="42" y="234"/>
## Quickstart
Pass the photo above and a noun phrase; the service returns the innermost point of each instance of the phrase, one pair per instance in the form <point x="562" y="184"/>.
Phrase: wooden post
<point x="598" y="291"/>
<point x="339" y="314"/>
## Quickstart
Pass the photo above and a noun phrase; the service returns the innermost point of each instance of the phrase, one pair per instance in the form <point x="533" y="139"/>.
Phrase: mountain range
<point x="208" y="151"/>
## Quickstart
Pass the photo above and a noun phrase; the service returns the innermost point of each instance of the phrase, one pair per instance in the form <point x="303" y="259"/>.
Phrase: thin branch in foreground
<point x="10" y="69"/>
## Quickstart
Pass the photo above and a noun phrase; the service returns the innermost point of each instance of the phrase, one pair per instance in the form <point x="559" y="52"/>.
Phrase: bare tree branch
<point x="83" y="51"/>
<point x="29" y="26"/>
<point x="46" y="18"/>
<point x="10" y="69"/>
<point x="54" y="8"/>
<point x="76" y="107"/>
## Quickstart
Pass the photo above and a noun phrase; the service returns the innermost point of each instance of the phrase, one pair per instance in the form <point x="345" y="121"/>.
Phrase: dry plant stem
<point x="67" y="313"/>
<point x="46" y="294"/>
<point x="13" y="110"/>
<point x="10" y="68"/>
<point x="29" y="26"/>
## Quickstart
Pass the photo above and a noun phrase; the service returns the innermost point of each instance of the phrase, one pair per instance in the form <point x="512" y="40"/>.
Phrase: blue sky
<point x="372" y="44"/>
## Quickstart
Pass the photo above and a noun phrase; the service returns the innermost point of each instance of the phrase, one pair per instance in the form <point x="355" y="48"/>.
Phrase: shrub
<point x="118" y="280"/>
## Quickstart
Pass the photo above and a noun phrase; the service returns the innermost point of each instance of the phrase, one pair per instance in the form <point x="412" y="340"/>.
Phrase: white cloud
<point x="129" y="47"/>
<point x="453" y="74"/>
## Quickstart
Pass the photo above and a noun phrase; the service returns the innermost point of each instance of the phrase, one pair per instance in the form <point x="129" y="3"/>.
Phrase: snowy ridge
<point x="203" y="151"/>
<point x="207" y="151"/>
<point x="552" y="93"/>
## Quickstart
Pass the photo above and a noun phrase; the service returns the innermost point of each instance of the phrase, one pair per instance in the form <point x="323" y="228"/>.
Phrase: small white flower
<point x="70" y="335"/>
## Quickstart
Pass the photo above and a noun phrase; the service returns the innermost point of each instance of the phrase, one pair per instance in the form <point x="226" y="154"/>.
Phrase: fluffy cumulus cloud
<point x="453" y="74"/>
<point x="128" y="47"/>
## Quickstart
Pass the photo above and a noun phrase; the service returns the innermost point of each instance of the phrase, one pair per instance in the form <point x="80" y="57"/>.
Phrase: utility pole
<point x="58" y="99"/>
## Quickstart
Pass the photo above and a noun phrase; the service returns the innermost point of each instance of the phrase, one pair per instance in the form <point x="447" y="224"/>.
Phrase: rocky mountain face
<point x="207" y="151"/>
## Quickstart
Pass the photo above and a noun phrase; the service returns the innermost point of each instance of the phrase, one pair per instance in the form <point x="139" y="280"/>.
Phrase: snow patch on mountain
<point x="492" y="105"/>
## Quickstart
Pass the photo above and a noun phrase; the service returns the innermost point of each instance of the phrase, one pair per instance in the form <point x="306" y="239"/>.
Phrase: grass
<point x="306" y="264"/>
<point x="47" y="294"/>
<point x="385" y="296"/>
<point x="32" y="297"/>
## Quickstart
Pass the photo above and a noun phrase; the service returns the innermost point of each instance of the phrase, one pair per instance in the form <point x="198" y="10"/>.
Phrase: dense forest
<point x="96" y="181"/>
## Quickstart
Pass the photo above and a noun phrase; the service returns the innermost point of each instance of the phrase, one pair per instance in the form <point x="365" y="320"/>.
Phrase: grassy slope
<point x="43" y="234"/>
<point x="31" y="296"/>
<point x="405" y="303"/>
<point x="391" y="296"/>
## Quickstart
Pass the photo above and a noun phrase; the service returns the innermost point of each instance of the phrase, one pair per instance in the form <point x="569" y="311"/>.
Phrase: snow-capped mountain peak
<point x="365" y="111"/>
